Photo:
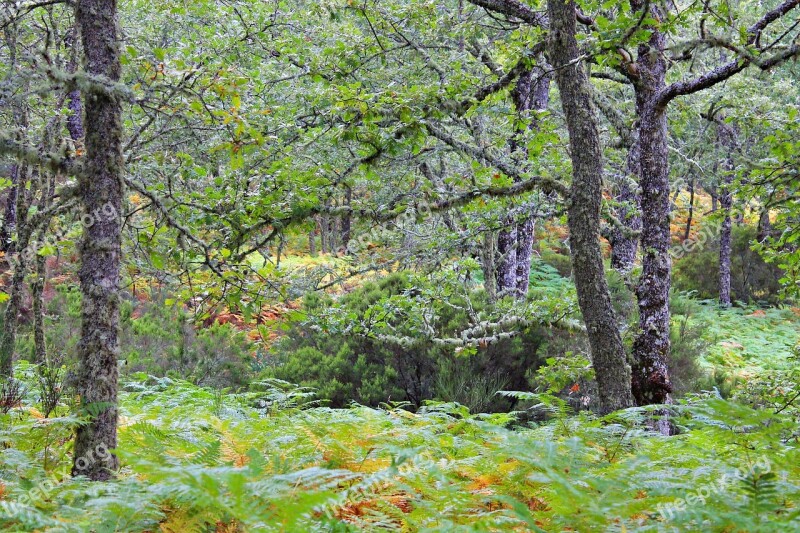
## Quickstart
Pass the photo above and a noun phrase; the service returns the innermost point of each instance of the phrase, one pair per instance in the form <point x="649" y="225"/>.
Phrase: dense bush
<point x="164" y="340"/>
<point x="155" y="339"/>
<point x="752" y="279"/>
<point x="688" y="346"/>
<point x="346" y="367"/>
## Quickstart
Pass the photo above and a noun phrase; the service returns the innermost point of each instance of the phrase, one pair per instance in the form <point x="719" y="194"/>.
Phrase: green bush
<point x="348" y="367"/>
<point x="687" y="346"/>
<point x="561" y="262"/>
<point x="164" y="341"/>
<point x="752" y="279"/>
<point x="154" y="339"/>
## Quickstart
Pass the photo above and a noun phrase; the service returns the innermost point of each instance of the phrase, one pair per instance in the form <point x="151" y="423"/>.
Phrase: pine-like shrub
<point x="346" y="367"/>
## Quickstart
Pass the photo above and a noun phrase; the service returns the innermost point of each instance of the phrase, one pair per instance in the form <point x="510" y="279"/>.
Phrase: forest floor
<point x="273" y="460"/>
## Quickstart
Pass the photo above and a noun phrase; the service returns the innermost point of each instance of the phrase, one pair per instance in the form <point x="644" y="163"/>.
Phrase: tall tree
<point x="608" y="354"/>
<point x="101" y="189"/>
<point x="651" y="383"/>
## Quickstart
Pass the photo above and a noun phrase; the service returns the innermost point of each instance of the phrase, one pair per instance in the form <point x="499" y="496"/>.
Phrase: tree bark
<point x="532" y="93"/>
<point x="488" y="255"/>
<point x="10" y="214"/>
<point x="764" y="226"/>
<point x="347" y="222"/>
<point x="608" y="354"/>
<point x="101" y="189"/>
<point x="312" y="241"/>
<point x="624" y="241"/>
<point x="507" y="263"/>
<point x="651" y="348"/>
<point x="16" y="226"/>
<point x="689" y="218"/>
<point x="37" y="290"/>
<point x="726" y="135"/>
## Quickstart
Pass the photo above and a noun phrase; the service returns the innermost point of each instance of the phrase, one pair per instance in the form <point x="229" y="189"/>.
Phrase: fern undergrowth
<point x="275" y="460"/>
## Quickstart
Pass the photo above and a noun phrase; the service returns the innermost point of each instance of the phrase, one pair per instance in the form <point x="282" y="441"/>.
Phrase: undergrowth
<point x="273" y="459"/>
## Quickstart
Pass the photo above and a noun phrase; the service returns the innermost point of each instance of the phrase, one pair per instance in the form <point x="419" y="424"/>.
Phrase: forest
<point x="399" y="265"/>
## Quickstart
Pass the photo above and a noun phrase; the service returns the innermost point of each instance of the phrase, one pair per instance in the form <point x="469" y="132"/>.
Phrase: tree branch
<point x="512" y="8"/>
<point x="724" y="72"/>
<point x="546" y="184"/>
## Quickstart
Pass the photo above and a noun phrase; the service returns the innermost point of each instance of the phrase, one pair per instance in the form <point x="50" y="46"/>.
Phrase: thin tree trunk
<point x="347" y="221"/>
<point x="312" y="242"/>
<point x="624" y="241"/>
<point x="764" y="226"/>
<point x="37" y="290"/>
<point x="532" y="93"/>
<point x="726" y="135"/>
<point x="488" y="265"/>
<point x="725" y="250"/>
<point x="507" y="259"/>
<point x="101" y="189"/>
<point x="689" y="218"/>
<point x="324" y="231"/>
<point x="17" y="251"/>
<point x="608" y="354"/>
<point x="19" y="257"/>
<point x="10" y="214"/>
<point x="525" y="238"/>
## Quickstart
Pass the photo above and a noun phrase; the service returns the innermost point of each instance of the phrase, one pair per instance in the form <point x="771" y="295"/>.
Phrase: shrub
<point x="164" y="341"/>
<point x="154" y="339"/>
<point x="347" y="367"/>
<point x="752" y="279"/>
<point x="688" y="345"/>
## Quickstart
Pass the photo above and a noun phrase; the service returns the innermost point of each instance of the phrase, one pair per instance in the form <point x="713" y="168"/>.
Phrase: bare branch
<point x="724" y="72"/>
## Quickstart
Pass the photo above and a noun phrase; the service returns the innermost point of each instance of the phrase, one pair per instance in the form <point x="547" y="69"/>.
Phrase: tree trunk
<point x="488" y="266"/>
<point x="532" y="92"/>
<point x="726" y="134"/>
<point x="17" y="251"/>
<point x="525" y="237"/>
<point x="624" y="241"/>
<point x="608" y="354"/>
<point x="37" y="290"/>
<point x="324" y="230"/>
<point x="507" y="259"/>
<point x="689" y="218"/>
<point x="347" y="222"/>
<point x="725" y="250"/>
<point x="764" y="226"/>
<point x="101" y="188"/>
<point x="10" y="215"/>
<point x="651" y="348"/>
<point x="19" y="256"/>
<point x="312" y="242"/>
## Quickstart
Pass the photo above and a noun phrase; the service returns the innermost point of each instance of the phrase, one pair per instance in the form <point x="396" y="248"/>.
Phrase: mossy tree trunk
<point x="651" y="348"/>
<point x="101" y="190"/>
<point x="608" y="353"/>
<point x="727" y="137"/>
<point x="515" y="242"/>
